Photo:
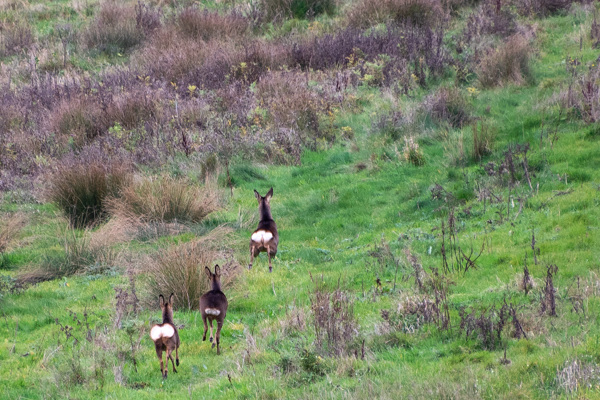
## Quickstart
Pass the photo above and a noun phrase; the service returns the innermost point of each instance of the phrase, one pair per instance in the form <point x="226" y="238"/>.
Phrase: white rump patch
<point x="212" y="311"/>
<point x="262" y="236"/>
<point x="165" y="331"/>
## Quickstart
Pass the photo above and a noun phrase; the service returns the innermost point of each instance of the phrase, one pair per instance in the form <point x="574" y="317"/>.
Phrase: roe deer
<point x="213" y="306"/>
<point x="165" y="336"/>
<point x="265" y="237"/>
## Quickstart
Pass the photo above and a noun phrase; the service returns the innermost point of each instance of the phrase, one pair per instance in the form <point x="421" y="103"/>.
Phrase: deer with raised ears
<point x="213" y="306"/>
<point x="165" y="336"/>
<point x="265" y="238"/>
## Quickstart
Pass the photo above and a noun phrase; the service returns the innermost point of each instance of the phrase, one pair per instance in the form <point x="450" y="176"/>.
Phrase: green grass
<point x="331" y="217"/>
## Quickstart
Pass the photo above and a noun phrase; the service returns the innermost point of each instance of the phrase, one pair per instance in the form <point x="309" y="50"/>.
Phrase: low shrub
<point x="509" y="63"/>
<point x="80" y="190"/>
<point x="489" y="18"/>
<point x="448" y="105"/>
<point x="9" y="229"/>
<point x="277" y="10"/>
<point x="367" y="13"/>
<point x="15" y="37"/>
<point x="336" y="327"/>
<point x="163" y="199"/>
<point x="290" y="102"/>
<point x="113" y="30"/>
<point x="180" y="269"/>
<point x="79" y="119"/>
<point x="205" y="24"/>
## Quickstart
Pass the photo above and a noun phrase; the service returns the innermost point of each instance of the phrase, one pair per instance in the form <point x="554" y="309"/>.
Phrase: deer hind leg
<point x="176" y="356"/>
<point x="269" y="253"/>
<point x="211" y="332"/>
<point x="170" y="356"/>
<point x="219" y="326"/>
<point x="205" y="327"/>
<point x="251" y="257"/>
<point x="158" y="347"/>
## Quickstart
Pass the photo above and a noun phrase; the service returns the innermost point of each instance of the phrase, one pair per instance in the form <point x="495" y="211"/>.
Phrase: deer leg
<point x="177" y="356"/>
<point x="251" y="257"/>
<point x="166" y="372"/>
<point x="219" y="326"/>
<point x="211" y="333"/>
<point x="269" y="253"/>
<point x="205" y="327"/>
<point x="158" y="347"/>
<point x="170" y="356"/>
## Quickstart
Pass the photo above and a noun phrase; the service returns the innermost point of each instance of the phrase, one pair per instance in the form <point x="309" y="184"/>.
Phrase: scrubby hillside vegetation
<point x="436" y="175"/>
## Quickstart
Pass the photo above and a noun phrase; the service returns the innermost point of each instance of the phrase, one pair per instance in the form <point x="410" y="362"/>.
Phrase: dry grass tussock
<point x="163" y="199"/>
<point x="508" y="63"/>
<point x="180" y="269"/>
<point x="372" y="12"/>
<point x="80" y="255"/>
<point x="206" y="24"/>
<point x="10" y="227"/>
<point x="81" y="190"/>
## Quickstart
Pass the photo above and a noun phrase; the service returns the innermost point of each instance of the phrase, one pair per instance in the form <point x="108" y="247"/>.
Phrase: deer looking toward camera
<point x="213" y="306"/>
<point x="265" y="238"/>
<point x="165" y="336"/>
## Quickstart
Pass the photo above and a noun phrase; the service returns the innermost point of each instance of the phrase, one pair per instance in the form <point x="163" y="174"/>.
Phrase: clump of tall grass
<point x="180" y="269"/>
<point x="9" y="229"/>
<point x="164" y="199"/>
<point x="78" y="255"/>
<point x="15" y="37"/>
<point x="277" y="10"/>
<point x="367" y="13"/>
<point x="509" y="63"/>
<point x="80" y="190"/>
<point x="334" y="322"/>
<point x="113" y="30"/>
<point x="449" y="106"/>
<point x="206" y="24"/>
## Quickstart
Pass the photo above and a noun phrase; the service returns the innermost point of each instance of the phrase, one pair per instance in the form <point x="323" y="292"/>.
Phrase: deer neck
<point x="216" y="285"/>
<point x="265" y="212"/>
<point x="168" y="317"/>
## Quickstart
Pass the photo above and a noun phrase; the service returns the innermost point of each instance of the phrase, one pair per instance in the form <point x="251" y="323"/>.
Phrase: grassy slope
<point x="330" y="218"/>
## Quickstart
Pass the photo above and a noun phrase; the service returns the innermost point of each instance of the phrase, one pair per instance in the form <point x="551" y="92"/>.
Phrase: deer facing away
<point x="265" y="238"/>
<point x="213" y="306"/>
<point x="165" y="336"/>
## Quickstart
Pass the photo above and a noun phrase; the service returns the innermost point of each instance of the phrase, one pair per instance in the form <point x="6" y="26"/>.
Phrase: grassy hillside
<point x="436" y="178"/>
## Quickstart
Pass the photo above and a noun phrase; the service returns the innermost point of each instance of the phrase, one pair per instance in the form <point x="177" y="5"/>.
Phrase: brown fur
<point x="167" y="344"/>
<point x="266" y="224"/>
<point x="214" y="299"/>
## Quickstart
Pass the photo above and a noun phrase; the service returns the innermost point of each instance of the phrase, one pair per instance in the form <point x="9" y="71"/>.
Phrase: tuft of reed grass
<point x="179" y="269"/>
<point x="164" y="199"/>
<point x="9" y="229"/>
<point x="81" y="190"/>
<point x="509" y="63"/>
<point x="367" y="13"/>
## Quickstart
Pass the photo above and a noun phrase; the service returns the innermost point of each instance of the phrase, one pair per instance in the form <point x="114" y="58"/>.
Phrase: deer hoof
<point x="177" y="362"/>
<point x="270" y="269"/>
<point x="204" y="338"/>
<point x="211" y="339"/>
<point x="213" y="346"/>
<point x="249" y="266"/>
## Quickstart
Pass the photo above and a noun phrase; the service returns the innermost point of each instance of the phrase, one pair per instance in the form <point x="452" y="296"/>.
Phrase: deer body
<point x="265" y="238"/>
<point x="165" y="336"/>
<point x="213" y="307"/>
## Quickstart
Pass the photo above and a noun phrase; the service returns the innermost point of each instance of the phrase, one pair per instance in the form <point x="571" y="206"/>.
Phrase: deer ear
<point x="161" y="300"/>
<point x="217" y="270"/>
<point x="269" y="194"/>
<point x="171" y="298"/>
<point x="257" y="195"/>
<point x="208" y="273"/>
